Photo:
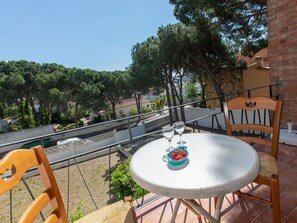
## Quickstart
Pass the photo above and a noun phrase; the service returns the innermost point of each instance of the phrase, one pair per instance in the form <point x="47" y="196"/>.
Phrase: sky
<point x="93" y="34"/>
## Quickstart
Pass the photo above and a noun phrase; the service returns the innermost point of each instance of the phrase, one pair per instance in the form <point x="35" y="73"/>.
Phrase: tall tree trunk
<point x="173" y="96"/>
<point x="202" y="103"/>
<point x="76" y="114"/>
<point x="174" y="104"/>
<point x="182" y="111"/>
<point x="114" y="112"/>
<point x="32" y="106"/>
<point x="181" y="100"/>
<point x="169" y="104"/>
<point x="137" y="100"/>
<point x="179" y="96"/>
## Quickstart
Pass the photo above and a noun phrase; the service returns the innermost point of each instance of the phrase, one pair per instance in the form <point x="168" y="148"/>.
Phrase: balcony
<point x="83" y="171"/>
<point x="237" y="210"/>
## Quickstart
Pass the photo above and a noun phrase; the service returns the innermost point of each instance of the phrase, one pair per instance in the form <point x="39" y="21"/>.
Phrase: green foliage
<point x="13" y="128"/>
<point x="122" y="183"/>
<point x="59" y="127"/>
<point x="46" y="118"/>
<point x="133" y="111"/>
<point x="26" y="117"/>
<point x="115" y="84"/>
<point x="70" y="126"/>
<point x="79" y="213"/>
<point x="56" y="117"/>
<point x="85" y="89"/>
<point x="145" y="69"/>
<point x="11" y="111"/>
<point x="159" y="104"/>
<point x="99" y="118"/>
<point x="1" y="111"/>
<point x="191" y="91"/>
<point x="243" y="23"/>
<point x="67" y="117"/>
<point x="146" y="109"/>
<point x="82" y="121"/>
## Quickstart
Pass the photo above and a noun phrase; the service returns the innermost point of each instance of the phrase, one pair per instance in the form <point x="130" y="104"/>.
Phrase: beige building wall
<point x="254" y="77"/>
<point x="237" y="80"/>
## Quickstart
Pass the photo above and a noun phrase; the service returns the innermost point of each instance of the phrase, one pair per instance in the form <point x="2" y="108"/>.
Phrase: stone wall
<point x="282" y="52"/>
<point x="230" y="81"/>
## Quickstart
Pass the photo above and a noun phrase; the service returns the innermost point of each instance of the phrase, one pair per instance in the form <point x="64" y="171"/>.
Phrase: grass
<point x="96" y="176"/>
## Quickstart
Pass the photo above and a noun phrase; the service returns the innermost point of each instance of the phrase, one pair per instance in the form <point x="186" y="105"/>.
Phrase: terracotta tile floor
<point x="237" y="210"/>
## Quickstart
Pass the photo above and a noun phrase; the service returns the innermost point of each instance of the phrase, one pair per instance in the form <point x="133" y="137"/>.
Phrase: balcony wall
<point x="282" y="52"/>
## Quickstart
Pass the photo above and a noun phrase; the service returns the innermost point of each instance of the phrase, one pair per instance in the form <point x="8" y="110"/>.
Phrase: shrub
<point x="46" y="118"/>
<point x="132" y="112"/>
<point x="70" y="126"/>
<point x="58" y="127"/>
<point x="56" y="117"/>
<point x="122" y="183"/>
<point x="191" y="91"/>
<point x="146" y="110"/>
<point x="13" y="128"/>
<point x="26" y="117"/>
<point x="11" y="111"/>
<point x="67" y="118"/>
<point x="79" y="213"/>
<point x="81" y="122"/>
<point x="159" y="104"/>
<point x="97" y="119"/>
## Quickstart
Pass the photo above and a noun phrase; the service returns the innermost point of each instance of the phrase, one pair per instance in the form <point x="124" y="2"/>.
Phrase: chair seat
<point x="120" y="212"/>
<point x="268" y="165"/>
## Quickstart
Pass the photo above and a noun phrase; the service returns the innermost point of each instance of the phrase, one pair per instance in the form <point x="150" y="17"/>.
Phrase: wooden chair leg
<point x="215" y="201"/>
<point x="275" y="199"/>
<point x="238" y="193"/>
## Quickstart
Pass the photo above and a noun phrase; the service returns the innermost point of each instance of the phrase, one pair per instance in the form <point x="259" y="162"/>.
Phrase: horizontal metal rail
<point x="133" y="119"/>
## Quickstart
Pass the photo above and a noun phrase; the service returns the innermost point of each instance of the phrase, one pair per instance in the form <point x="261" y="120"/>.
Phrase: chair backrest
<point x="19" y="161"/>
<point x="254" y="120"/>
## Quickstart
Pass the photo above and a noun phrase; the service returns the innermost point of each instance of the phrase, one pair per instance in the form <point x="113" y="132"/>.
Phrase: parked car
<point x="69" y="140"/>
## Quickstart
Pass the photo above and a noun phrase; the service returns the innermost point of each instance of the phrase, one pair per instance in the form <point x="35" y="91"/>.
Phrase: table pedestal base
<point x="199" y="210"/>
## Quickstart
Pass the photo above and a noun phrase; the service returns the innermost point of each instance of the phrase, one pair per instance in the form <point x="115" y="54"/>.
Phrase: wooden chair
<point x="264" y="130"/>
<point x="118" y="212"/>
<point x="19" y="161"/>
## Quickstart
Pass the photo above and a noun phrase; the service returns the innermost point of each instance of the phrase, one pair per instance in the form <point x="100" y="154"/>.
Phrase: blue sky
<point x="93" y="34"/>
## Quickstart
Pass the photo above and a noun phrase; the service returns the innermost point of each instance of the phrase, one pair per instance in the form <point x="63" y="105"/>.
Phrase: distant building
<point x="256" y="74"/>
<point x="253" y="60"/>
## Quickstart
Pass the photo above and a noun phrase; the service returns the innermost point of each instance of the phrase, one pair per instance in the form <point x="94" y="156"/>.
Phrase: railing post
<point x="130" y="131"/>
<point x="10" y="209"/>
<point x="10" y="201"/>
<point x="222" y="99"/>
<point x="249" y="93"/>
<point x="42" y="143"/>
<point x="109" y="170"/>
<point x="68" y="187"/>
<point x="270" y="90"/>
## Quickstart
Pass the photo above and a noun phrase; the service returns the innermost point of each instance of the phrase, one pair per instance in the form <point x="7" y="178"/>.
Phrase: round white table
<point x="216" y="165"/>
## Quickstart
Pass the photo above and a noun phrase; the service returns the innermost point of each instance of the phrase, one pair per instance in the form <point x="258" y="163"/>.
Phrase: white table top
<point x="216" y="165"/>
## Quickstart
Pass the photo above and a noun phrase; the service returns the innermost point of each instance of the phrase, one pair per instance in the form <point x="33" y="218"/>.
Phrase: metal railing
<point x="108" y="155"/>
